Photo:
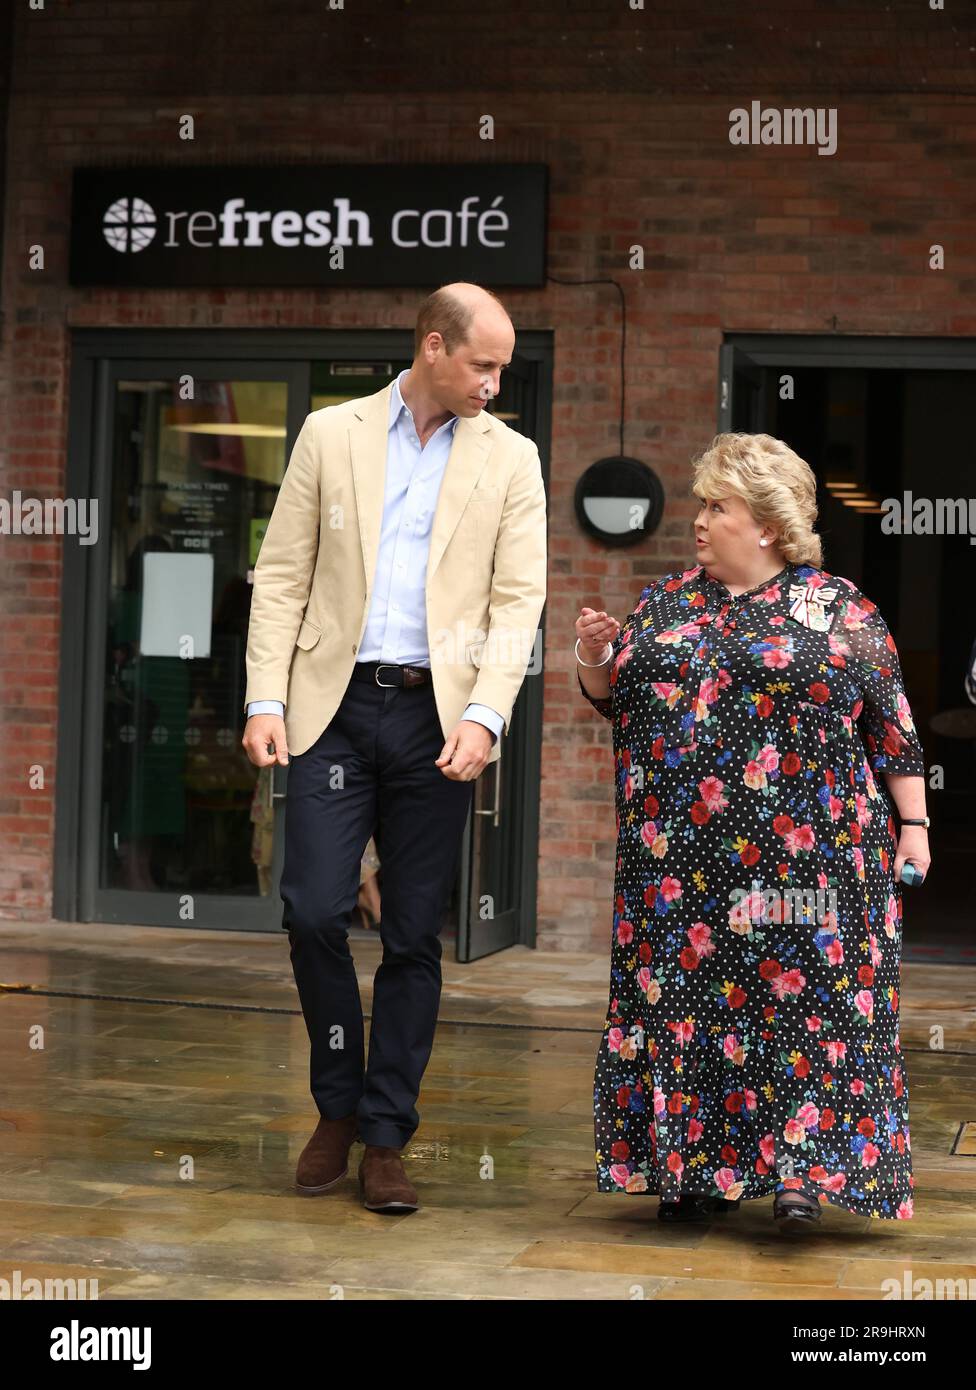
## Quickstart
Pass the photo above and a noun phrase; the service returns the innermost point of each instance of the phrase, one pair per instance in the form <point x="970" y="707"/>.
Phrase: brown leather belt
<point x="386" y="674"/>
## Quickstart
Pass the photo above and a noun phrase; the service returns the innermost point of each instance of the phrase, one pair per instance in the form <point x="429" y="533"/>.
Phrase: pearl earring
<point x="762" y="542"/>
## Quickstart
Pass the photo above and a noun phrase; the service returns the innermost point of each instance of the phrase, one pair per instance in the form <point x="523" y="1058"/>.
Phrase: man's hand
<point x="260" y="731"/>
<point x="466" y="751"/>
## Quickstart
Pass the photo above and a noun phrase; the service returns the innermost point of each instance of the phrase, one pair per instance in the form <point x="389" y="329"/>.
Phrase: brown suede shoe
<point x="383" y="1185"/>
<point x="324" y="1161"/>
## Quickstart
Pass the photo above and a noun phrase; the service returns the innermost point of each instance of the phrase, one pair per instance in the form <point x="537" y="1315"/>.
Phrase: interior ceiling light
<point x="236" y="428"/>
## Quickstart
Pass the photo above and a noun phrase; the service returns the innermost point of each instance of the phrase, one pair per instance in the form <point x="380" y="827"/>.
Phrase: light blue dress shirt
<point x="396" y="625"/>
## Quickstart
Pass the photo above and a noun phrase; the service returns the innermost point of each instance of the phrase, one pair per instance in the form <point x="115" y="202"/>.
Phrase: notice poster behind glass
<point x="177" y="603"/>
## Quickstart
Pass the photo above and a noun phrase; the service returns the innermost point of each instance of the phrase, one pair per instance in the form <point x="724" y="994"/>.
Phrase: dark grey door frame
<point x="741" y="353"/>
<point x="519" y="831"/>
<point x="98" y="356"/>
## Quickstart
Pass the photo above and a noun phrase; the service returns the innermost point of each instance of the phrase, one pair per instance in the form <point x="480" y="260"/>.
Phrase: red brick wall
<point x="622" y="108"/>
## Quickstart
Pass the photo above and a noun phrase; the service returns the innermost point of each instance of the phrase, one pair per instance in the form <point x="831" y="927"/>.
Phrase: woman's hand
<point x="913" y="844"/>
<point x="595" y="630"/>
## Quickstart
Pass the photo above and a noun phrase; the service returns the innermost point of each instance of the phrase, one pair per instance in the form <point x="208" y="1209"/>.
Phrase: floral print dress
<point x="751" y="1041"/>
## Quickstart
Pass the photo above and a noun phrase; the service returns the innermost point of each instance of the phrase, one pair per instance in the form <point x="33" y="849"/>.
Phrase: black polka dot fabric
<point x="751" y="1041"/>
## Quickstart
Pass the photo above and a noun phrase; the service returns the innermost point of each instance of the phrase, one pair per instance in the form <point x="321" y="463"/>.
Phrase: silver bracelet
<point x="604" y="662"/>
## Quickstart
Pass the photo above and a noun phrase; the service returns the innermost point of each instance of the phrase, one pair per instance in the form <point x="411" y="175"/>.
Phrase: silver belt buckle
<point x="387" y="685"/>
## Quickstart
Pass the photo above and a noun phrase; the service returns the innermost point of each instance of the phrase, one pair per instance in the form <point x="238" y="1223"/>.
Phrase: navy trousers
<point x="371" y="772"/>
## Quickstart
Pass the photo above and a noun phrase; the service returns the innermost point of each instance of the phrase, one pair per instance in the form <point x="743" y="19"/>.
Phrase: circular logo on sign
<point x="129" y="225"/>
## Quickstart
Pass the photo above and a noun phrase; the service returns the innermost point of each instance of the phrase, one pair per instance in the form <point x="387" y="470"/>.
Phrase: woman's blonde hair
<point x="777" y="486"/>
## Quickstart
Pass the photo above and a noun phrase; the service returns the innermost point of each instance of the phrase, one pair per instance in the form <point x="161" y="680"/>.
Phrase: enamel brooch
<point x="808" y="605"/>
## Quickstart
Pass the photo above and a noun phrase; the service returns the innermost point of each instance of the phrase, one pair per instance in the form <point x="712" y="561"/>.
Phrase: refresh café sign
<point x="337" y="224"/>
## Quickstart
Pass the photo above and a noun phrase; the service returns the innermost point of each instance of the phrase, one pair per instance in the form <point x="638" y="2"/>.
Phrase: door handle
<point x="273" y="796"/>
<point x="494" y="810"/>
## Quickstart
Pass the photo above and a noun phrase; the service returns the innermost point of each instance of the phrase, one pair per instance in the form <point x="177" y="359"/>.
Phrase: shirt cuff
<point x="482" y="714"/>
<point x="265" y="707"/>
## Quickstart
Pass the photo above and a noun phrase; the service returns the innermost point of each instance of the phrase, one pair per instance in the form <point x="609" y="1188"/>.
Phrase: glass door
<point x="180" y="826"/>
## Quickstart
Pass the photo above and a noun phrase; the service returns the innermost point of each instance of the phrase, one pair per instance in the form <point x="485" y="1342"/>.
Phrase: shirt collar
<point x="398" y="404"/>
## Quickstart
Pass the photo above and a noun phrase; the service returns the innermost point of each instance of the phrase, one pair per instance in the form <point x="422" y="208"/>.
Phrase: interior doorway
<point x="876" y="419"/>
<point x="183" y="439"/>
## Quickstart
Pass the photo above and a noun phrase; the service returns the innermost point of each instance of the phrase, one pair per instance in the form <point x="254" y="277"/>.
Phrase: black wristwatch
<point x="924" y="821"/>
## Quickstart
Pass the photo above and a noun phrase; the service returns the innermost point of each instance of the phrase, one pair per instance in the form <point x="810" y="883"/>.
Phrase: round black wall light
<point x="619" y="500"/>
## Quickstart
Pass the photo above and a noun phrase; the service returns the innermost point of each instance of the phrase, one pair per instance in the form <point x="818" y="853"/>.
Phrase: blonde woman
<point x="763" y="748"/>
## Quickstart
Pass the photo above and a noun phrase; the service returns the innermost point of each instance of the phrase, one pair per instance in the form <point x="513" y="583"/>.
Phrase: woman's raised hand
<point x="595" y="630"/>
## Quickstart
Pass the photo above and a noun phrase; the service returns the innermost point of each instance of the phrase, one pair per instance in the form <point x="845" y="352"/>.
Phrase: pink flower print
<point x="670" y="889"/>
<point x="624" y="654"/>
<point x="854" y="616"/>
<point x="695" y="1130"/>
<point x="660" y="1101"/>
<point x="683" y="1030"/>
<point x="891" y="915"/>
<point x="834" y="953"/>
<point x="776" y="658"/>
<point x="808" y="1115"/>
<point x="708" y="690"/>
<point x="649" y="832"/>
<point x="750" y="908"/>
<point x="904" y="713"/>
<point x="754" y="776"/>
<point x="711" y="789"/>
<point x="768" y="757"/>
<point x="870" y="1155"/>
<point x="836" y="1051"/>
<point x="789" y="982"/>
<point x="620" y="1174"/>
<point x="625" y="932"/>
<point x="667" y="691"/>
<point x="767" y="1150"/>
<point x="836" y="808"/>
<point x="794" y="1132"/>
<point x="700" y="936"/>
<point x="857" y="1087"/>
<point x="801" y="837"/>
<point x="724" y="1179"/>
<point x="614" y="1039"/>
<point x="814" y="1024"/>
<point x="864" y="1003"/>
<point x="643" y="978"/>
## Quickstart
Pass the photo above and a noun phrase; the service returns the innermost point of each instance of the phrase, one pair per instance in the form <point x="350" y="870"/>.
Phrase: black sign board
<point x="336" y="224"/>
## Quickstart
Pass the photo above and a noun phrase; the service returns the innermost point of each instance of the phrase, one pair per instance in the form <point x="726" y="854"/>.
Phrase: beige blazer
<point x="486" y="569"/>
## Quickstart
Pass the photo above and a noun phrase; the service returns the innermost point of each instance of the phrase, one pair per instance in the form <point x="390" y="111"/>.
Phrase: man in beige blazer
<point x="396" y="602"/>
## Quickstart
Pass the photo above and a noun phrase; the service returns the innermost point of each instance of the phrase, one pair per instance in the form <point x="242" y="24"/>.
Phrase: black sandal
<point x="694" y="1206"/>
<point x="792" y="1209"/>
